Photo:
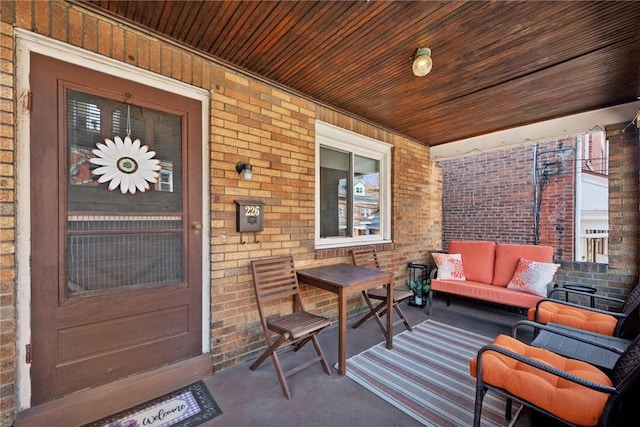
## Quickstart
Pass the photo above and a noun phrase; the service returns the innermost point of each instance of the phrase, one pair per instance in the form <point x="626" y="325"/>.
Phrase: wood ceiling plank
<point x="464" y="86"/>
<point x="202" y="25"/>
<point x="238" y="31"/>
<point x="303" y="42"/>
<point x="275" y="41"/>
<point x="498" y="64"/>
<point x="256" y="27"/>
<point x="258" y="30"/>
<point x="219" y="27"/>
<point x="168" y="17"/>
<point x="359" y="49"/>
<point x="518" y="102"/>
<point x="191" y="18"/>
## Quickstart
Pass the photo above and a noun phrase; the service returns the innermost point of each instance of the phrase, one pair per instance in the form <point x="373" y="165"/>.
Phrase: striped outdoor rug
<point x="426" y="375"/>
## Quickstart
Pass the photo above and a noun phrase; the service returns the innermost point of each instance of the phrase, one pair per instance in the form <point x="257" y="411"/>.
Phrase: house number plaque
<point x="249" y="215"/>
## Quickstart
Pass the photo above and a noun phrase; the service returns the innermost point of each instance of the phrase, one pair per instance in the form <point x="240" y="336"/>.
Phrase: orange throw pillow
<point x="533" y="277"/>
<point x="449" y="266"/>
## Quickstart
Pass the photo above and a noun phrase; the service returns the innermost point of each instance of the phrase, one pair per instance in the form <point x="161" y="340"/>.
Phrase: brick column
<point x="624" y="215"/>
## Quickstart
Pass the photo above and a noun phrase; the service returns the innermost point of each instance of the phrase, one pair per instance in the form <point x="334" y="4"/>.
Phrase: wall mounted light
<point x="245" y="169"/>
<point x="422" y="62"/>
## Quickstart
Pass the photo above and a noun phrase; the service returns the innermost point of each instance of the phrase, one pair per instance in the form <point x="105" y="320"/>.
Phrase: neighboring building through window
<point x="353" y="188"/>
<point x="572" y="196"/>
<point x="592" y="198"/>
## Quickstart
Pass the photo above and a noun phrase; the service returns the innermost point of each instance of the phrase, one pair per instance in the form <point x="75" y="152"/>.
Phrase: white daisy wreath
<point x="126" y="164"/>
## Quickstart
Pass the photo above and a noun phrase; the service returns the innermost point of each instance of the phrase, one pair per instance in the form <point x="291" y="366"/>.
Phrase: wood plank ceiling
<point x="496" y="65"/>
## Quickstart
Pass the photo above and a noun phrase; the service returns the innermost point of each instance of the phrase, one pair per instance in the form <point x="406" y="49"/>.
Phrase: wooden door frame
<point x="27" y="43"/>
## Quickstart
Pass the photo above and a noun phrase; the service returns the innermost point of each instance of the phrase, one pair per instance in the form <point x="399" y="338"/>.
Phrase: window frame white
<point x="331" y="136"/>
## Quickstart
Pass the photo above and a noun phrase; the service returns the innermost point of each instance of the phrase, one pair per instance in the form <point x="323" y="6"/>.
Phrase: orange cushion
<point x="551" y="312"/>
<point x="486" y="292"/>
<point x="567" y="400"/>
<point x="508" y="255"/>
<point x="477" y="259"/>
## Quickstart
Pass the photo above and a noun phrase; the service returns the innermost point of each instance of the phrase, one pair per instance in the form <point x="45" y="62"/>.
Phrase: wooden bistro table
<point x="344" y="279"/>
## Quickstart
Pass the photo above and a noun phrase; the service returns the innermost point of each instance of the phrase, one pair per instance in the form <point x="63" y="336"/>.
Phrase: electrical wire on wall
<point x="554" y="165"/>
<point x="536" y="211"/>
<point x="635" y="120"/>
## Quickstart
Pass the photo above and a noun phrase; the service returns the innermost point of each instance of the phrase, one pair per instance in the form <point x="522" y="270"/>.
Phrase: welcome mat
<point x="426" y="376"/>
<point x="187" y="407"/>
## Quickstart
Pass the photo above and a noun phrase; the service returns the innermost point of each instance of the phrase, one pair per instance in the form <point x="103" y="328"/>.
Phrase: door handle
<point x="196" y="227"/>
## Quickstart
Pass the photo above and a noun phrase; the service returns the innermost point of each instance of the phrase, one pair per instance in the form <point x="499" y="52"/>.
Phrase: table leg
<point x="390" y="310"/>
<point x="342" y="332"/>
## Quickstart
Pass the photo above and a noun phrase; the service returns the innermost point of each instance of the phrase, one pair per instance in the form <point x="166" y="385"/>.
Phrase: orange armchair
<point x="620" y="323"/>
<point x="569" y="390"/>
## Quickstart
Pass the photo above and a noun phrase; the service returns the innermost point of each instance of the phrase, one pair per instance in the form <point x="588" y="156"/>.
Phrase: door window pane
<point x="121" y="241"/>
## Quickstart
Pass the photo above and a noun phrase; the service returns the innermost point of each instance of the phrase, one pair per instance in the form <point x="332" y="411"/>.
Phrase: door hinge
<point x="28" y="355"/>
<point x="29" y="100"/>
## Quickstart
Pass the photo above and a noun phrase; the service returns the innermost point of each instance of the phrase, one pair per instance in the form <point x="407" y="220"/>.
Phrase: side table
<point x="602" y="351"/>
<point x="582" y="288"/>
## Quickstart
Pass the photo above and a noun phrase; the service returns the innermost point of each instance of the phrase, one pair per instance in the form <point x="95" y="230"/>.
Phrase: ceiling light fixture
<point x="422" y="62"/>
<point x="245" y="169"/>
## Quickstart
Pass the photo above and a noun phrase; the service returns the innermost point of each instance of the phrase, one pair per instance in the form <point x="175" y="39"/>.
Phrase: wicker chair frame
<point x="624" y="310"/>
<point x="625" y="378"/>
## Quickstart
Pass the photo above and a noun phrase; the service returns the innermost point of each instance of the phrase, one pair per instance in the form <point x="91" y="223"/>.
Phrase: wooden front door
<point x="116" y="272"/>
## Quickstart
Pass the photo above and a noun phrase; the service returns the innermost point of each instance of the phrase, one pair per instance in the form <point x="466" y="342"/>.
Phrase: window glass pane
<point x="366" y="196"/>
<point x="334" y="193"/>
<point x="91" y="119"/>
<point x="592" y="192"/>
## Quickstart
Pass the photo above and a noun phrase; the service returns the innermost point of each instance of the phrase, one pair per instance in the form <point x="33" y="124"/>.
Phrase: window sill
<point x="343" y="251"/>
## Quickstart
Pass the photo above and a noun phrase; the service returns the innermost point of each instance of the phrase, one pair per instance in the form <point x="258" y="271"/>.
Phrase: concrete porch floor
<point x="254" y="398"/>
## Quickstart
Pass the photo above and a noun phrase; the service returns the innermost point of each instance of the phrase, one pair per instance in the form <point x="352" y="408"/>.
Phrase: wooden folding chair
<point x="367" y="257"/>
<point x="275" y="280"/>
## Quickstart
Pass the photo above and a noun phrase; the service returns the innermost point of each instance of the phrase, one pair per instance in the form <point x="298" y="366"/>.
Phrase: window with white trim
<point x="353" y="175"/>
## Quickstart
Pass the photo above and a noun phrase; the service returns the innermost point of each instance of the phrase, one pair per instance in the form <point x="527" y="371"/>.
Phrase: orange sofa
<point x="488" y="269"/>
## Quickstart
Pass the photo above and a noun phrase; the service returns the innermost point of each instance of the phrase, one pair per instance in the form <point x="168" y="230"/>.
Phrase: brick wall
<point x="489" y="196"/>
<point x="7" y="226"/>
<point x="621" y="274"/>
<point x="624" y="217"/>
<point x="555" y="164"/>
<point x="251" y="120"/>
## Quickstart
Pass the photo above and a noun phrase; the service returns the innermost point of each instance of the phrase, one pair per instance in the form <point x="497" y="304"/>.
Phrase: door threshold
<point x="93" y="404"/>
